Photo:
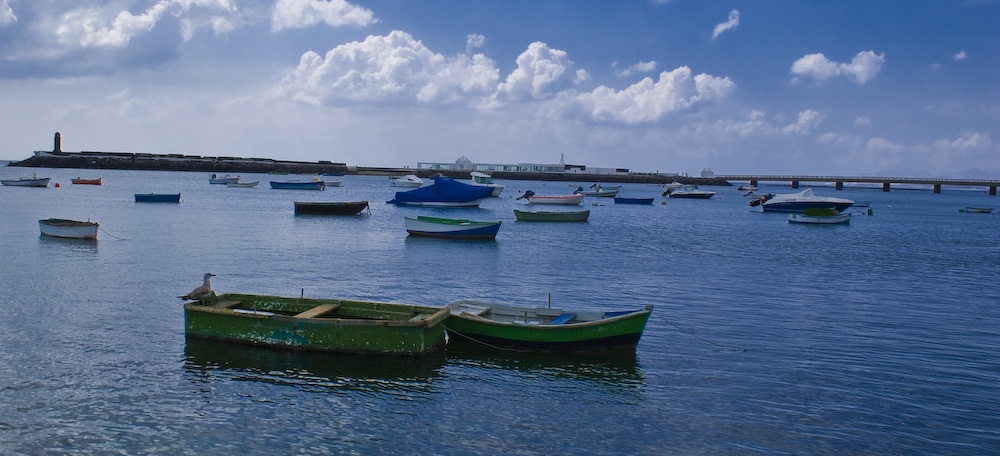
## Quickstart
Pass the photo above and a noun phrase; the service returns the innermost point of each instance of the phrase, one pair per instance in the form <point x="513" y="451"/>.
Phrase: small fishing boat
<point x="599" y="191"/>
<point x="81" y="181"/>
<point x="444" y="192"/>
<point x="227" y="179"/>
<point x="157" y="197"/>
<point x="820" y="216"/>
<point x="451" y="228"/>
<point x="332" y="325"/>
<point x="620" y="200"/>
<point x="689" y="191"/>
<point x="486" y="180"/>
<point x="979" y="210"/>
<point x="298" y="185"/>
<point x="408" y="181"/>
<point x="568" y="200"/>
<point x="552" y="216"/>
<point x="747" y="188"/>
<point x="242" y="184"/>
<point x="330" y="207"/>
<point x="545" y="328"/>
<point x="70" y="229"/>
<point x="27" y="181"/>
<point x="333" y="183"/>
<point x="672" y="186"/>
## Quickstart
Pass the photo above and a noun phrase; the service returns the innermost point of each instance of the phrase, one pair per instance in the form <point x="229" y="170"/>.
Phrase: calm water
<point x="879" y="337"/>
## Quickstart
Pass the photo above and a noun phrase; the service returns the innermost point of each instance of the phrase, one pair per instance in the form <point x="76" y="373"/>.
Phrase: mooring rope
<point x="452" y="331"/>
<point x="732" y="347"/>
<point x="109" y="234"/>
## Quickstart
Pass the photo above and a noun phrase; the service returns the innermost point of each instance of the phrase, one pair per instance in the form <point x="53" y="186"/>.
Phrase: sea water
<point x="876" y="337"/>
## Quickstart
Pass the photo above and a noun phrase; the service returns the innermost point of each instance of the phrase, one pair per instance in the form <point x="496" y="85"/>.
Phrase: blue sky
<point x="774" y="87"/>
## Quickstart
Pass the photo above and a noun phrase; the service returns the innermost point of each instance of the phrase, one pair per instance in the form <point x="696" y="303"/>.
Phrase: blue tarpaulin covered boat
<point x="445" y="192"/>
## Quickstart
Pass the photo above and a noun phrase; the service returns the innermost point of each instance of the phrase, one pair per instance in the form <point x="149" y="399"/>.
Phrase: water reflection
<point x="81" y="247"/>
<point x="207" y="359"/>
<point x="619" y="369"/>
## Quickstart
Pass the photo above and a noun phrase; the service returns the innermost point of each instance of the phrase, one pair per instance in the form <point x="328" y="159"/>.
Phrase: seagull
<point x="202" y="292"/>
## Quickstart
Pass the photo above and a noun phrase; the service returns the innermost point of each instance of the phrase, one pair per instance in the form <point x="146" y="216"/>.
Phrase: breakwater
<point x="177" y="162"/>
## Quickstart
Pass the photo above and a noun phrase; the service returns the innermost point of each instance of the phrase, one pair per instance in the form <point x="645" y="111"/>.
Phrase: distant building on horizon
<point x="464" y="164"/>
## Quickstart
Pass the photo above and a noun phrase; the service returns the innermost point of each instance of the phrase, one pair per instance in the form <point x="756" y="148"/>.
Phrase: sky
<point x="849" y="87"/>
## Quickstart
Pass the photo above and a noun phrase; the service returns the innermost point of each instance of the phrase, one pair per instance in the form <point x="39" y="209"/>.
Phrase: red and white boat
<point x="568" y="200"/>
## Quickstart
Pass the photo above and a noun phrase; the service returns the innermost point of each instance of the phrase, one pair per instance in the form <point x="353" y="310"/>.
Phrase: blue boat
<point x="299" y="185"/>
<point x="157" y="197"/>
<point x="451" y="228"/>
<point x="619" y="200"/>
<point x="445" y="192"/>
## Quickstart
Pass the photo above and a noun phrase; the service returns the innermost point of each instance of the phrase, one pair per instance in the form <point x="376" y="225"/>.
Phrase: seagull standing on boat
<point x="202" y="292"/>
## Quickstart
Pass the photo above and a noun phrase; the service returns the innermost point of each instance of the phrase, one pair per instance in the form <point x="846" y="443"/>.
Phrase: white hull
<point x="407" y="181"/>
<point x="23" y="182"/>
<point x="243" y="184"/>
<point x="69" y="229"/>
<point x="820" y="219"/>
<point x="567" y="200"/>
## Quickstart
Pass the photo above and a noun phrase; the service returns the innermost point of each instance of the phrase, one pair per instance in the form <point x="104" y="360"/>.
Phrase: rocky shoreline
<point x="124" y="161"/>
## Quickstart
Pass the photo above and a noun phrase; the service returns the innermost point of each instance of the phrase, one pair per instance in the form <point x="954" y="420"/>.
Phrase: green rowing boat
<point x="333" y="325"/>
<point x="545" y="329"/>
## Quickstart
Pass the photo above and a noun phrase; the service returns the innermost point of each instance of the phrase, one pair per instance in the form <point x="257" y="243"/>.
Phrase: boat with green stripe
<point x="331" y="325"/>
<point x="544" y="328"/>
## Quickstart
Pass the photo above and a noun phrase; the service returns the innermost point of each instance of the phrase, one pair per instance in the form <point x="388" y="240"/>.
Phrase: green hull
<point x="333" y="325"/>
<point x="615" y="332"/>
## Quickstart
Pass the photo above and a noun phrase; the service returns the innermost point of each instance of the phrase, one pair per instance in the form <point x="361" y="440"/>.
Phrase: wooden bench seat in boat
<point x="317" y="311"/>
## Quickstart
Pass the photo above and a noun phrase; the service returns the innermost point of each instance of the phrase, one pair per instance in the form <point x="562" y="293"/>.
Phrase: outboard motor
<point x="759" y="201"/>
<point x="527" y="194"/>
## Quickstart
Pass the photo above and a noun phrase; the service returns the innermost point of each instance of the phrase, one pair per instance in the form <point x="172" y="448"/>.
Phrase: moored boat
<point x="157" y="197"/>
<point x="568" y="200"/>
<point x="70" y="229"/>
<point x="799" y="202"/>
<point x="27" y="181"/>
<point x="979" y="210"/>
<point x="486" y="180"/>
<point x="298" y="185"/>
<point x="330" y="207"/>
<point x="81" y="181"/>
<point x="821" y="216"/>
<point x="451" y="228"/>
<point x="545" y="329"/>
<point x="243" y="184"/>
<point x="620" y="200"/>
<point x="333" y="325"/>
<point x="689" y="191"/>
<point x="599" y="191"/>
<point x="408" y="181"/>
<point x="227" y="179"/>
<point x="444" y="192"/>
<point x="552" y="216"/>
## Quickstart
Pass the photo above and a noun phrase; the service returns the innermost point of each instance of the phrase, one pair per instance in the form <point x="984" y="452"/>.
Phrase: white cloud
<point x="967" y="140"/>
<point x="389" y="68"/>
<point x="961" y="55"/>
<point x="805" y="125"/>
<point x="863" y="121"/>
<point x="7" y="13"/>
<point x="307" y="13"/>
<point x="731" y="23"/>
<point x="108" y="27"/>
<point x="647" y="101"/>
<point x="474" y="41"/>
<point x="861" y="69"/>
<point x="541" y="71"/>
<point x="641" y="67"/>
<point x="882" y="145"/>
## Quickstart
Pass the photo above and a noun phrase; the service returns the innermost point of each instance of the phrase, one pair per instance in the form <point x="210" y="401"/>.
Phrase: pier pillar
<point x="885" y="186"/>
<point x="839" y="185"/>
<point x="993" y="190"/>
<point x="795" y="184"/>
<point x="937" y="188"/>
<point x="754" y="183"/>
